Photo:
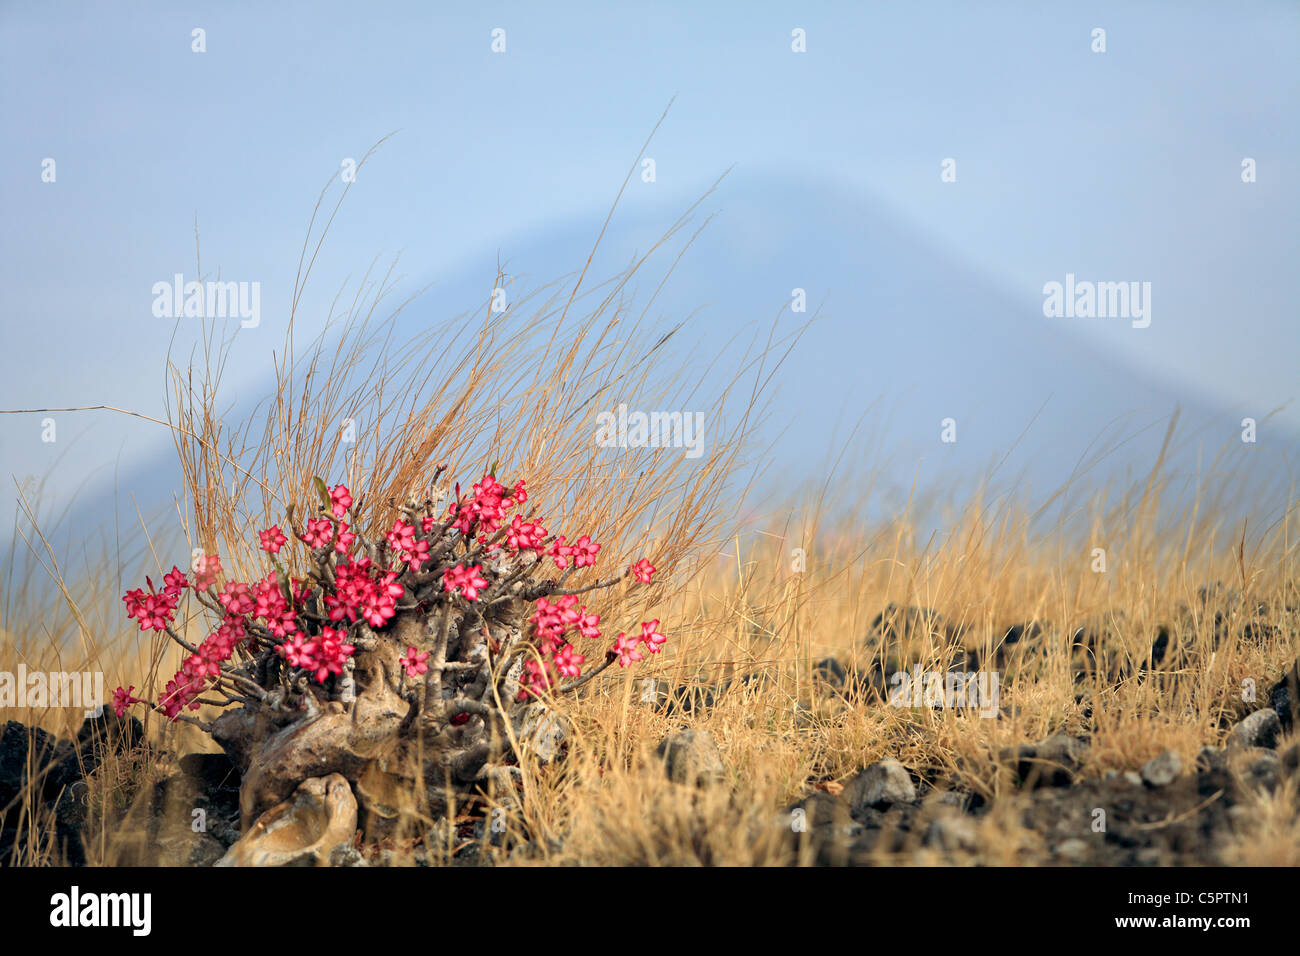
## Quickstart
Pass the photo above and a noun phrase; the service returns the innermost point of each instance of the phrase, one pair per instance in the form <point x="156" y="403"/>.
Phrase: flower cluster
<point x="155" y="611"/>
<point x="322" y="656"/>
<point x="485" y="507"/>
<point x="363" y="593"/>
<point x="477" y="557"/>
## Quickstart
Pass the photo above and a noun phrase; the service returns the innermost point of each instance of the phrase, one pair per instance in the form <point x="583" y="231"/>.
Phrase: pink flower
<point x="416" y="556"/>
<point x="414" y="662"/>
<point x="359" y="596"/>
<point x="220" y="645"/>
<point x="569" y="662"/>
<point x="402" y="540"/>
<point x="341" y="500"/>
<point x="627" y="650"/>
<point x="642" y="571"/>
<point x="174" y="581"/>
<point x="486" y="507"/>
<point x="153" y="611"/>
<point x="569" y="613"/>
<point x="122" y="699"/>
<point x="237" y="598"/>
<point x="402" y="537"/>
<point x="199" y="666"/>
<point x="319" y="532"/>
<point x="548" y="623"/>
<point x="344" y="539"/>
<point x="298" y="651"/>
<point x="272" y="539"/>
<point x="234" y="629"/>
<point x="535" y="679"/>
<point x="584" y="552"/>
<point x="560" y="552"/>
<point x="524" y="535"/>
<point x="206" y="569"/>
<point x="650" y="634"/>
<point x="468" y="580"/>
<point x="587" y="624"/>
<point x="331" y="653"/>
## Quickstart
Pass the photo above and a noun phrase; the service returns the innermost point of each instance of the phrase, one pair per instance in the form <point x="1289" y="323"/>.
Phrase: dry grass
<point x="521" y="387"/>
<point x="745" y="613"/>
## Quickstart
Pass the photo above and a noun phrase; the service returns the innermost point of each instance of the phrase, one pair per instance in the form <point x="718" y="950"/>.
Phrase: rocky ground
<point x="1056" y="808"/>
<point x="1164" y="813"/>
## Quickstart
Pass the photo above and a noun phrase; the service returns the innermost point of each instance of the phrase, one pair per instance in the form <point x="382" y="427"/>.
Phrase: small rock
<point x="1149" y="856"/>
<point x="1256" y="765"/>
<point x="1284" y="697"/>
<point x="72" y="806"/>
<point x="830" y="671"/>
<point x="950" y="799"/>
<point x="1260" y="632"/>
<point x="346" y="855"/>
<point x="688" y="698"/>
<point x="541" y="732"/>
<point x="25" y="754"/>
<point x="691" y="757"/>
<point x="1211" y="759"/>
<point x="1019" y="632"/>
<point x="1072" y="850"/>
<point x="1051" y="762"/>
<point x="884" y="782"/>
<point x="818" y="809"/>
<point x="902" y="622"/>
<point x="1162" y="770"/>
<point x="189" y="849"/>
<point x="1160" y="646"/>
<point x="109" y="731"/>
<point x="1290" y="760"/>
<point x="1260" y="729"/>
<point x="211" y="772"/>
<point x="951" y="832"/>
<point x="1133" y="778"/>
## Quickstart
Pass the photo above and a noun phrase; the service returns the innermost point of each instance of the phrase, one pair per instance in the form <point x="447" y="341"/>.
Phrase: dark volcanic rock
<point x="899" y="622"/>
<point x="1260" y="729"/>
<point x="1051" y="762"/>
<point x="1160" y="646"/>
<point x="1028" y="631"/>
<point x="106" y="732"/>
<point x="1162" y="770"/>
<point x="189" y="818"/>
<point x="884" y="783"/>
<point x="691" y="757"/>
<point x="43" y="777"/>
<point x="1285" y="698"/>
<point x="689" y="698"/>
<point x="830" y="671"/>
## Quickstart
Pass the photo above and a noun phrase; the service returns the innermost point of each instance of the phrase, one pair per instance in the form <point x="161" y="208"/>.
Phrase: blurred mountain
<point x="905" y="341"/>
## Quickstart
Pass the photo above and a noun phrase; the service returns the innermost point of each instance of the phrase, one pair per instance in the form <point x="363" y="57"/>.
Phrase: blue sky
<point x="1122" y="165"/>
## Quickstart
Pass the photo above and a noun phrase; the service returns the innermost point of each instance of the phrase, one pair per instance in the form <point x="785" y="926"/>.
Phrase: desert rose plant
<point x="403" y="661"/>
